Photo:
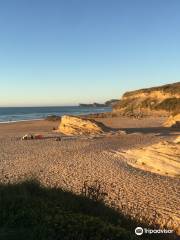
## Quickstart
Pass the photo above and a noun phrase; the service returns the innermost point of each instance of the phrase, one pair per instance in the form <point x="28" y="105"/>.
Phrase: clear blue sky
<point x="62" y="52"/>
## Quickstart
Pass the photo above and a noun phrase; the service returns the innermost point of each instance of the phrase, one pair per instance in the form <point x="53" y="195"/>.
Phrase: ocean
<point x="15" y="114"/>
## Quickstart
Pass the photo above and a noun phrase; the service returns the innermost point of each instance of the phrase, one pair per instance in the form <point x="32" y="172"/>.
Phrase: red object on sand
<point x="39" y="136"/>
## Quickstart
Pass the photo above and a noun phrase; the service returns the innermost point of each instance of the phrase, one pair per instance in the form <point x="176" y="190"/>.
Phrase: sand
<point x="138" y="193"/>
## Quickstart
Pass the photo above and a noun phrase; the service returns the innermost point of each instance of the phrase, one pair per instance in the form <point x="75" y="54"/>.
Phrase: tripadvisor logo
<point x="139" y="231"/>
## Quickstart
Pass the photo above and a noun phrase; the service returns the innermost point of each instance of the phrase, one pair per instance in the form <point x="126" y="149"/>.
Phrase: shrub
<point x="169" y="104"/>
<point x="29" y="211"/>
<point x="94" y="191"/>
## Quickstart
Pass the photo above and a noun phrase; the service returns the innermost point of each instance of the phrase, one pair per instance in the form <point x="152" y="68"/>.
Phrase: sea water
<point x="15" y="114"/>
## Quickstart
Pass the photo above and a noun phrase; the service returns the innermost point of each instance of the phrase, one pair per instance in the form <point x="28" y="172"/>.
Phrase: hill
<point x="162" y="101"/>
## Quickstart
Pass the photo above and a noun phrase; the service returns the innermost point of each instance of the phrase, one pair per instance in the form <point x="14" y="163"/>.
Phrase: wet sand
<point x="140" y="194"/>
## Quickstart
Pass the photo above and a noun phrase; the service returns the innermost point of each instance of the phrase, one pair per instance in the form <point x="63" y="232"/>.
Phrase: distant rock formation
<point x="71" y="125"/>
<point x="109" y="103"/>
<point x="92" y="105"/>
<point x="162" y="158"/>
<point x="173" y="121"/>
<point x="53" y="118"/>
<point x="160" y="101"/>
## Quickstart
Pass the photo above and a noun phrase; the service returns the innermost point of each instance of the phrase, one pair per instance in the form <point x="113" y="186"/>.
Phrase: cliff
<point x="163" y="100"/>
<point x="173" y="121"/>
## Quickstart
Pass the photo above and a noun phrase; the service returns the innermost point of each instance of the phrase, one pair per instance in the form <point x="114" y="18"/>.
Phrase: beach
<point x="142" y="195"/>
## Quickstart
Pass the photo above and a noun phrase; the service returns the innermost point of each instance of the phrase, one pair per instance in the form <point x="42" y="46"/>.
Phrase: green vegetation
<point x="148" y="103"/>
<point x="29" y="211"/>
<point x="124" y="103"/>
<point x="169" y="104"/>
<point x="111" y="102"/>
<point x="131" y="104"/>
<point x="173" y="88"/>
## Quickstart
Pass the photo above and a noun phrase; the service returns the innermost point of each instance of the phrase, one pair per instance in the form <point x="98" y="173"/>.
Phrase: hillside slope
<point x="163" y="100"/>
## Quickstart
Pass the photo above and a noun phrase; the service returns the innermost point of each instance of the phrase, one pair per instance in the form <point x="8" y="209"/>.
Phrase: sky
<point x="65" y="52"/>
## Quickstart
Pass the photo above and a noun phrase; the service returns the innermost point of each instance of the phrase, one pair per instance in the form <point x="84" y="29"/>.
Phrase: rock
<point x="71" y="125"/>
<point x="53" y="118"/>
<point x="161" y="158"/>
<point x="173" y="121"/>
<point x="177" y="140"/>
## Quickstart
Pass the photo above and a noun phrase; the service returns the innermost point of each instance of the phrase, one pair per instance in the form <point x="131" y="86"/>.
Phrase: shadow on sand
<point x="32" y="212"/>
<point x="163" y="131"/>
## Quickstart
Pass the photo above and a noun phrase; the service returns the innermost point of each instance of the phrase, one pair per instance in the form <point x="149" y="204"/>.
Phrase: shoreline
<point x="100" y="115"/>
<point x="7" y="116"/>
<point x="24" y="120"/>
<point x="118" y="121"/>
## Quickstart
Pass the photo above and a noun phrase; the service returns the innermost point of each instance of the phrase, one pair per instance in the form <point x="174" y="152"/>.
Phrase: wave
<point x="10" y="115"/>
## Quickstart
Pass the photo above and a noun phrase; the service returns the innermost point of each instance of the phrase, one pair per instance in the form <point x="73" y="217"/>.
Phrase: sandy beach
<point x="140" y="194"/>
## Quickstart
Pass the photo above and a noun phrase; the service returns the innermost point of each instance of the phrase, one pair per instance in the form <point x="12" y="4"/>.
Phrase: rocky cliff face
<point x="173" y="121"/>
<point x="163" y="100"/>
